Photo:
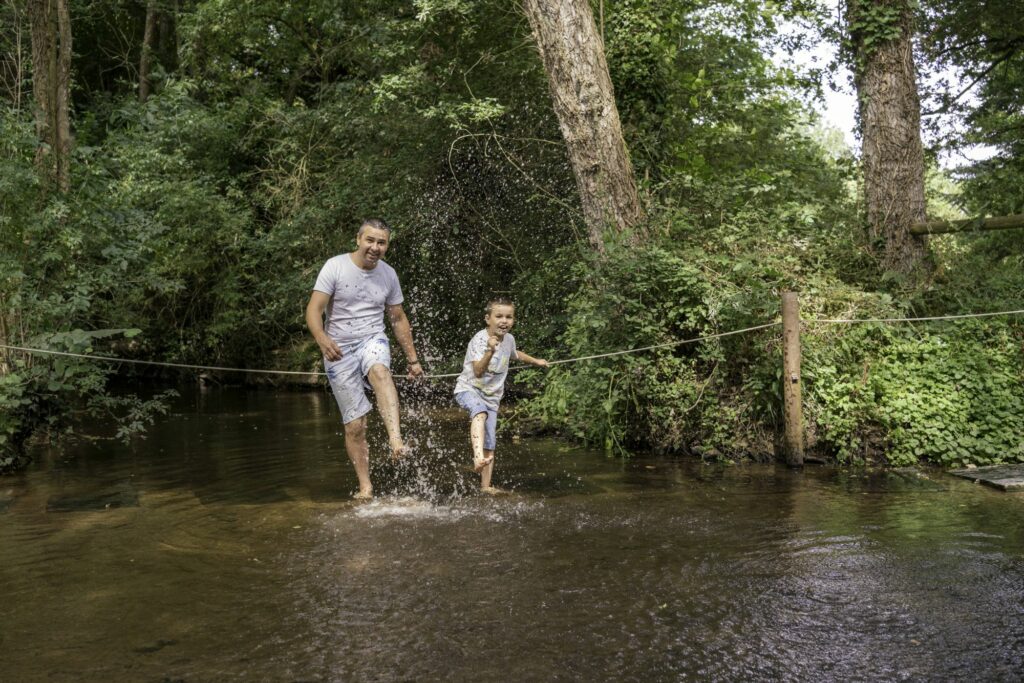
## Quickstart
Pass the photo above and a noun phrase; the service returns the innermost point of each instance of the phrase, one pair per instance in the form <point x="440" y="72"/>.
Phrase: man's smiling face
<point x="371" y="245"/>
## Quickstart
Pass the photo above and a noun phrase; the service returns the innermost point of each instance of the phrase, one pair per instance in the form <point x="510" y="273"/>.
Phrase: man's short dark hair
<point x="375" y="223"/>
<point x="498" y="301"/>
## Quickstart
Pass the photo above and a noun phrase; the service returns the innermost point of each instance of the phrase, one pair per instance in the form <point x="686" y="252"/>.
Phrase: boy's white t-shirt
<point x="358" y="297"/>
<point x="491" y="386"/>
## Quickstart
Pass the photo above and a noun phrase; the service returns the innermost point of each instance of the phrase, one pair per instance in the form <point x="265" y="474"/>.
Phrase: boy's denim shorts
<point x="474" y="406"/>
<point x="348" y="374"/>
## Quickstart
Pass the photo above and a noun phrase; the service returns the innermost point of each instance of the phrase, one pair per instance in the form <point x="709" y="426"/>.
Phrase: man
<point x="355" y="289"/>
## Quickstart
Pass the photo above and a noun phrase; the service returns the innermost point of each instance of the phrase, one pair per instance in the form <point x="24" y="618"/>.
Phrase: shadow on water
<point x="226" y="546"/>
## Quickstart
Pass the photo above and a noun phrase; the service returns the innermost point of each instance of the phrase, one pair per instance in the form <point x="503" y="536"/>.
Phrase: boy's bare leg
<point x="485" y="474"/>
<point x="476" y="438"/>
<point x="359" y="453"/>
<point x="387" y="406"/>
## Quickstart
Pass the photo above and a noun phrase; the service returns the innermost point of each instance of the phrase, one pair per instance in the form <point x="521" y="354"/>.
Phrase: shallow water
<point x="225" y="547"/>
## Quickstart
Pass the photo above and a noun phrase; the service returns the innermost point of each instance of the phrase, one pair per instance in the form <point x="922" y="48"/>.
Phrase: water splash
<point x="407" y="507"/>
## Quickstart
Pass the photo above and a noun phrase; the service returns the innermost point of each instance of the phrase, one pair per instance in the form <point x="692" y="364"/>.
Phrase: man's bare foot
<point x="399" y="450"/>
<point x="492" y="490"/>
<point x="362" y="495"/>
<point x="480" y="463"/>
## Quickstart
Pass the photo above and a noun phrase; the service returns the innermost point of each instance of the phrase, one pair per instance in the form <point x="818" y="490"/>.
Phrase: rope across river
<point x="694" y="340"/>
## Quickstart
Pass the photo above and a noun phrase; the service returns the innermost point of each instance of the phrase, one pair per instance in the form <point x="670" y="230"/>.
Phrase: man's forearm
<point x="315" y="321"/>
<point x="403" y="333"/>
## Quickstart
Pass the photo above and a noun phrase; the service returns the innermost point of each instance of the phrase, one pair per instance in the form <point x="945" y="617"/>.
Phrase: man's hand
<point x="415" y="370"/>
<point x="328" y="348"/>
<point x="315" y="322"/>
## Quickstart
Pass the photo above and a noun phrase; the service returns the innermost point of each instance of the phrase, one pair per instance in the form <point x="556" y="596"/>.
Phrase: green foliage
<point x="982" y="43"/>
<point x="696" y="88"/>
<point x="634" y="297"/>
<point x="202" y="216"/>
<point x="955" y="402"/>
<point x="49" y="393"/>
<point x="953" y="397"/>
<point x="873" y="23"/>
<point x="68" y="267"/>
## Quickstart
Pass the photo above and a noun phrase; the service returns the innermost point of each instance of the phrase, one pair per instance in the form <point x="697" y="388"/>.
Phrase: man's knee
<point x="379" y="373"/>
<point x="356" y="429"/>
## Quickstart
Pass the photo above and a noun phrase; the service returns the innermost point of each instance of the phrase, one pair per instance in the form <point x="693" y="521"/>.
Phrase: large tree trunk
<point x="881" y="33"/>
<point x="581" y="89"/>
<point x="148" y="45"/>
<point x="51" y="86"/>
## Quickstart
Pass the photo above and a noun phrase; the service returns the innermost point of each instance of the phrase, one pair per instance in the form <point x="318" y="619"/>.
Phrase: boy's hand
<point x="492" y="343"/>
<point x="541" y="363"/>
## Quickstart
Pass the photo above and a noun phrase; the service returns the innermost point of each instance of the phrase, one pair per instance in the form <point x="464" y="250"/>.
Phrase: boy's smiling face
<point x="500" y="319"/>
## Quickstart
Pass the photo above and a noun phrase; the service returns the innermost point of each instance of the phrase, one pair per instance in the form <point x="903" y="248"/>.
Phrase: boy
<point x="480" y="386"/>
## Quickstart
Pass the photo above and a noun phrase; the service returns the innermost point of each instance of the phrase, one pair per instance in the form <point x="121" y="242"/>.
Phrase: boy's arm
<point x="539" y="362"/>
<point x="480" y="365"/>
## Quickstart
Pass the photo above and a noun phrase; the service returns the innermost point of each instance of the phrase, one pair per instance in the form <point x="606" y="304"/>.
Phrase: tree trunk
<point x="51" y="86"/>
<point x="167" y="40"/>
<point x="581" y="90"/>
<point x="43" y="65"/>
<point x="63" y="108"/>
<point x="13" y="64"/>
<point x="881" y="33"/>
<point x="148" y="41"/>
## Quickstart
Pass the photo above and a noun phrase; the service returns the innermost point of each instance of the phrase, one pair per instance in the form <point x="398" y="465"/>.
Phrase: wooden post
<point x="792" y="409"/>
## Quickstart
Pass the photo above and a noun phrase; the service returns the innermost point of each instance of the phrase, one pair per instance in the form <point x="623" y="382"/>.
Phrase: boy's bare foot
<point x="399" y="450"/>
<point x="492" y="490"/>
<point x="362" y="495"/>
<point x="480" y="463"/>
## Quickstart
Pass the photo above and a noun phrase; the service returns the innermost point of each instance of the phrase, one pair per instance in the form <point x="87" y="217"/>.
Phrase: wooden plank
<point x="968" y="225"/>
<point x="1002" y="477"/>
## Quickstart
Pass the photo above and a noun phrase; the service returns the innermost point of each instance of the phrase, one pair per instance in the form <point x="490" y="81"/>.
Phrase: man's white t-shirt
<point x="358" y="297"/>
<point x="491" y="386"/>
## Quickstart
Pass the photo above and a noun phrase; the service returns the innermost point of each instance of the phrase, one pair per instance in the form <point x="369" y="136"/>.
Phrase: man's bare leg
<point x="476" y="439"/>
<point x="387" y="406"/>
<point x="359" y="454"/>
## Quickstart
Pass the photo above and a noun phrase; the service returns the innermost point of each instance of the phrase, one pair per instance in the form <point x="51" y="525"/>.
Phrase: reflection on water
<point x="226" y="547"/>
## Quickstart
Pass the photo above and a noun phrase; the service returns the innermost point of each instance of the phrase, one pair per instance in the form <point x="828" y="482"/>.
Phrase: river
<point x="225" y="547"/>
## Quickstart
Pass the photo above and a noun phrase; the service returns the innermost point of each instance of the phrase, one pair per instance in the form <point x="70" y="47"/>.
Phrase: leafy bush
<point x="68" y="264"/>
<point x="946" y="393"/>
<point x="634" y="298"/>
<point x="952" y="397"/>
<point x="43" y="393"/>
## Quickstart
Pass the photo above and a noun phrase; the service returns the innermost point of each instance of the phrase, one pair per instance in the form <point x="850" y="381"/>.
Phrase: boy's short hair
<point x="498" y="301"/>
